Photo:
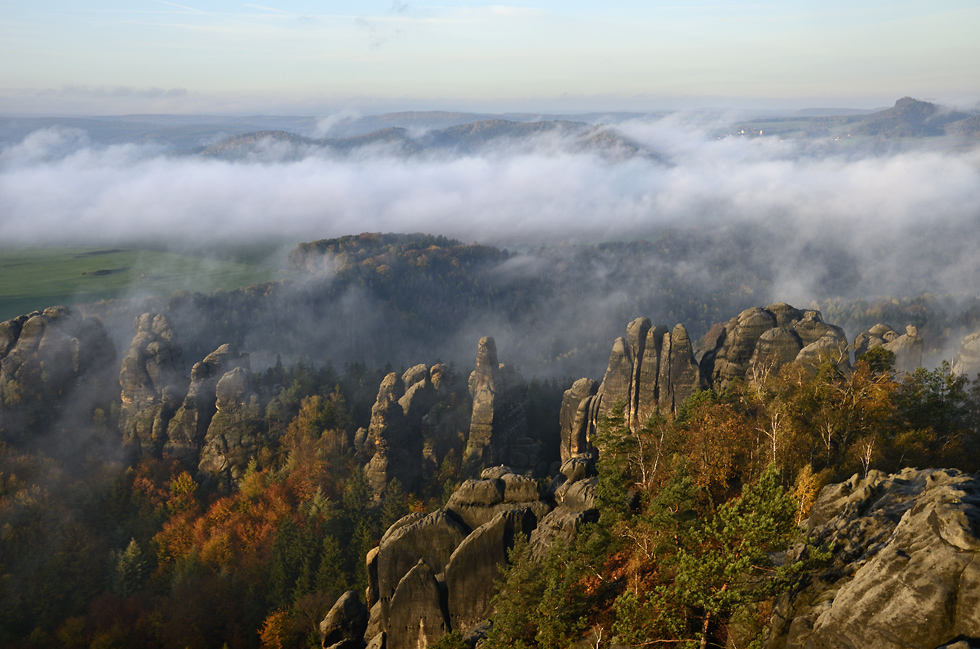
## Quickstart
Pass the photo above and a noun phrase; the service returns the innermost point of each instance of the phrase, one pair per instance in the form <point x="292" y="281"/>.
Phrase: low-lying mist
<point x="740" y="221"/>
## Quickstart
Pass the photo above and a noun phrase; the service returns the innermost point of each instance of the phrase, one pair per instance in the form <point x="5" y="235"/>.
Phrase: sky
<point x="320" y="56"/>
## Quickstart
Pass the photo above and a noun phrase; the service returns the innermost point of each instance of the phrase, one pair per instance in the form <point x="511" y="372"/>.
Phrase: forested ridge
<point x="403" y="298"/>
<point x="98" y="553"/>
<point x="132" y="515"/>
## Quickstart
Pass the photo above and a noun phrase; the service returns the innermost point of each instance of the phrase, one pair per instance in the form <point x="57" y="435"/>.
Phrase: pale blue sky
<point x="306" y="56"/>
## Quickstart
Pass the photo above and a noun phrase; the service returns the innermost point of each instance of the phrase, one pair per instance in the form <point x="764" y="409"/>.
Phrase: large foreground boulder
<point x="906" y="566"/>
<point x="345" y="622"/>
<point x="436" y="573"/>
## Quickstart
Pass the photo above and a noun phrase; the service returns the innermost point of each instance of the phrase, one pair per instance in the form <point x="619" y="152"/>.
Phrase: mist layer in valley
<point x="581" y="225"/>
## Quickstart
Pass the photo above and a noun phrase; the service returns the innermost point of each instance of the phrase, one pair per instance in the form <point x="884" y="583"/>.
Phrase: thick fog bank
<point x="738" y="222"/>
<point x="56" y="184"/>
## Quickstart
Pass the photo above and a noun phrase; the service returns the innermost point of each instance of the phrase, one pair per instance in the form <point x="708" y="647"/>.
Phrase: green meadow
<point x="35" y="278"/>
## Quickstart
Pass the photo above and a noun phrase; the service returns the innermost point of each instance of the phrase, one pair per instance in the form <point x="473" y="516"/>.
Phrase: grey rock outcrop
<point x="235" y="432"/>
<point x="430" y="539"/>
<point x="967" y="361"/>
<point x="476" y="563"/>
<point x="387" y="434"/>
<point x="650" y="370"/>
<point x="499" y="417"/>
<point x="410" y="421"/>
<point x="575" y="416"/>
<point x="762" y="340"/>
<point x="416" y="618"/>
<point x="905" y="571"/>
<point x="189" y="425"/>
<point x="574" y="494"/>
<point x="345" y="622"/>
<point x="906" y="347"/>
<point x="435" y="573"/>
<point x="152" y="384"/>
<point x="477" y="502"/>
<point x="54" y="364"/>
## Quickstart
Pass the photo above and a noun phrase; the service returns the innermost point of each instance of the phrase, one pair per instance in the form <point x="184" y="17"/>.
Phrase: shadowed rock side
<point x="345" y="623"/>
<point x="53" y="364"/>
<point x="577" y="411"/>
<point x="418" y="418"/>
<point x="650" y="370"/>
<point x="189" y="426"/>
<point x="573" y="492"/>
<point x="906" y="567"/>
<point x="907" y="347"/>
<point x="417" y="617"/>
<point x="412" y="421"/>
<point x="153" y="384"/>
<point x="967" y="361"/>
<point x="435" y="573"/>
<point x="476" y="563"/>
<point x="761" y="340"/>
<point x="498" y="425"/>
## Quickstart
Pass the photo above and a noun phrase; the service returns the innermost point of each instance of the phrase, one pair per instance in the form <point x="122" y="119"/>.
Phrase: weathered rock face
<point x="650" y="370"/>
<point x="476" y="563"/>
<point x="153" y="384"/>
<point x="477" y="502"/>
<point x="907" y="347"/>
<point x="499" y="417"/>
<point x="430" y="539"/>
<point x="906" y="571"/>
<point x="345" y="622"/>
<point x="435" y="573"/>
<point x="575" y="415"/>
<point x="967" y="361"/>
<point x="574" y="494"/>
<point x="416" y="617"/>
<point x="411" y="420"/>
<point x="761" y="340"/>
<point x="53" y="363"/>
<point x="189" y="425"/>
<point x="387" y="434"/>
<point x="235" y="432"/>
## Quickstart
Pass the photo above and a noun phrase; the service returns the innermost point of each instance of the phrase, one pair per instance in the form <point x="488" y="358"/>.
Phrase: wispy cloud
<point x="303" y="18"/>
<point x="184" y="7"/>
<point x="378" y="35"/>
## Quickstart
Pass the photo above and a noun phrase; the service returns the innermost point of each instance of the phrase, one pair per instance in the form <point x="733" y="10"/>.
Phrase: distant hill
<point x="167" y="131"/>
<point x="832" y="112"/>
<point x="909" y="118"/>
<point x="967" y="127"/>
<point x="461" y="138"/>
<point x="434" y="120"/>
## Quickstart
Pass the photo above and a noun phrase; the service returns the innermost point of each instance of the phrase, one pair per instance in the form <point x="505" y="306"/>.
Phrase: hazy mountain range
<point x="413" y="132"/>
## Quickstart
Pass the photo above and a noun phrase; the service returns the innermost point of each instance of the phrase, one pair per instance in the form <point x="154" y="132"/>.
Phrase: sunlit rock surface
<point x="759" y="341"/>
<point x="152" y="383"/>
<point x="906" y="566"/>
